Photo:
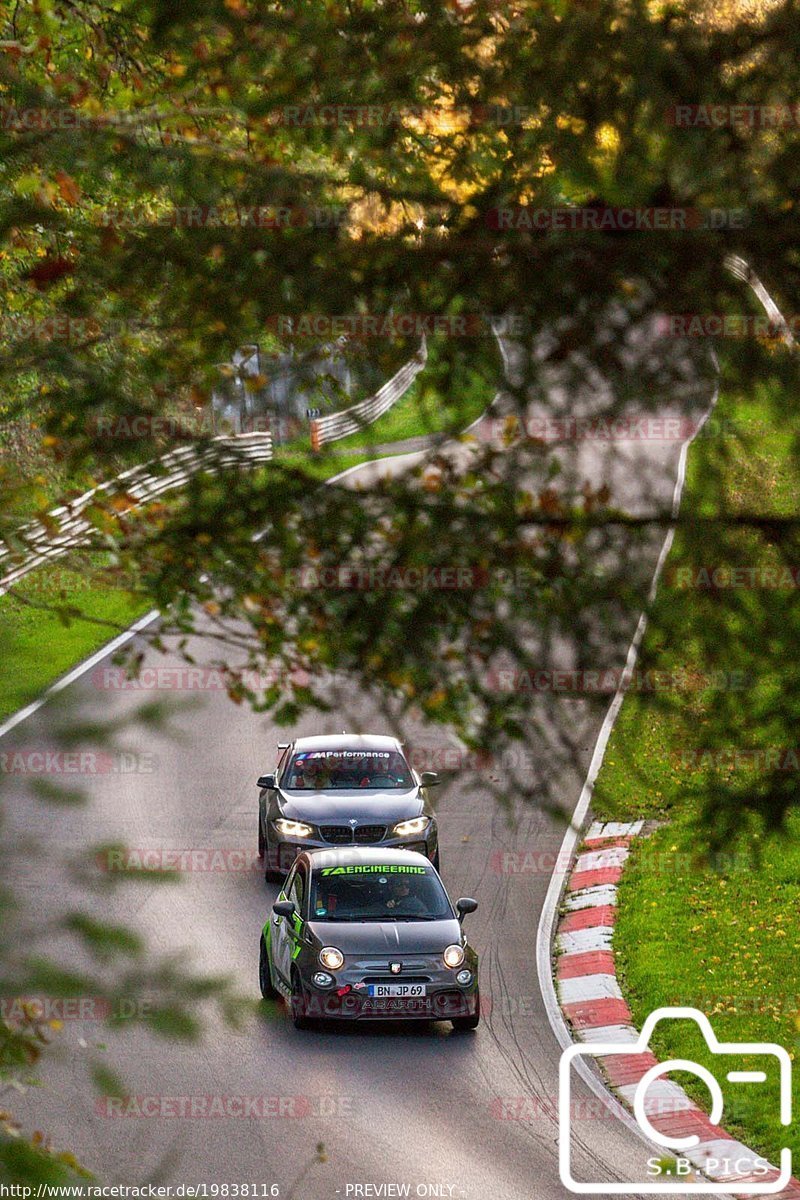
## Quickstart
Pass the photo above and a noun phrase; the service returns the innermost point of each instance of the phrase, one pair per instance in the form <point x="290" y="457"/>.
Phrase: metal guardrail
<point x="742" y="270"/>
<point x="67" y="528"/>
<point x="354" y="419"/>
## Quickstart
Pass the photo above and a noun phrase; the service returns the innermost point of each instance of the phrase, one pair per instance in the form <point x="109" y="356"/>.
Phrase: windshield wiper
<point x="368" y="919"/>
<point x="406" y="917"/>
<point x="341" y="920"/>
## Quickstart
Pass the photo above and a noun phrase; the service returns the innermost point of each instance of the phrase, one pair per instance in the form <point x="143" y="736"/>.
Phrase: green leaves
<point x="103" y="940"/>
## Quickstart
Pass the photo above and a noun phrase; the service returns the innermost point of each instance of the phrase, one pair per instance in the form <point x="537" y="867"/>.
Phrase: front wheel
<point x="261" y="843"/>
<point x="264" y="973"/>
<point x="299" y="1004"/>
<point x="464" y="1024"/>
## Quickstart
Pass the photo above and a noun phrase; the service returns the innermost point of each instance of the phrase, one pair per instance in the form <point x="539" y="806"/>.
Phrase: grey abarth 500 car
<point x="369" y="934"/>
<point x="343" y="790"/>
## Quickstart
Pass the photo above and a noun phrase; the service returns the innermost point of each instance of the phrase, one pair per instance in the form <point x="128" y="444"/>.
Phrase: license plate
<point x="406" y="990"/>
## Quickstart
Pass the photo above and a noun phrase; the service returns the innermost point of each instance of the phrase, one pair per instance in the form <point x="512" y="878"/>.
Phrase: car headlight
<point x="453" y="956"/>
<point x="293" y="828"/>
<point x="331" y="958"/>
<point x="408" y="828"/>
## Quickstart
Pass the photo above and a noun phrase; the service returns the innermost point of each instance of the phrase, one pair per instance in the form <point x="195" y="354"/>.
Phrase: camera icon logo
<point x="751" y="1172"/>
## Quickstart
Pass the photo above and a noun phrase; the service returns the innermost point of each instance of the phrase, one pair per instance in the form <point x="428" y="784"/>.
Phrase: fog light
<point x="464" y="977"/>
<point x="322" y="979"/>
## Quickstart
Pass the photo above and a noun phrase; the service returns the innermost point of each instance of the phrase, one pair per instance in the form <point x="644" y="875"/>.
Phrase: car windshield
<point x="316" y="770"/>
<point x="378" y="893"/>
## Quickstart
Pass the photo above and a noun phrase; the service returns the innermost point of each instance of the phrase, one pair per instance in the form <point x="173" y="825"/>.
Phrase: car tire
<point x="268" y="991"/>
<point x="298" y="1004"/>
<point x="261" y="843"/>
<point x="465" y="1024"/>
<point x="270" y="876"/>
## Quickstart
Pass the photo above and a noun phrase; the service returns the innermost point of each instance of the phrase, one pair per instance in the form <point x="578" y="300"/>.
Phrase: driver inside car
<point x="401" y="900"/>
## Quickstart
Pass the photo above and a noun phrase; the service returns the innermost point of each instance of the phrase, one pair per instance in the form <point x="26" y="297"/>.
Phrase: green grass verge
<point x="419" y="412"/>
<point x="444" y="398"/>
<point x="37" y="645"/>
<point x="321" y="467"/>
<point x="704" y="921"/>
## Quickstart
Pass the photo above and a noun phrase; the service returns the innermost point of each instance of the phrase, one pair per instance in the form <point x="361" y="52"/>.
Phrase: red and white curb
<point x="596" y="1011"/>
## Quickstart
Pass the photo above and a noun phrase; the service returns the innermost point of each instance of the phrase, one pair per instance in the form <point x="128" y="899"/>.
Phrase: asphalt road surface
<point x="467" y="1115"/>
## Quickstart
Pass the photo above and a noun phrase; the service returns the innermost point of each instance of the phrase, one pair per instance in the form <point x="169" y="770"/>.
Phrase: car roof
<point x="347" y="741"/>
<point x="358" y="856"/>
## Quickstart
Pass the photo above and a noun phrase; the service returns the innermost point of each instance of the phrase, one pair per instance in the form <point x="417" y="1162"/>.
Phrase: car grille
<point x="343" y="835"/>
<point x="397" y="978"/>
<point x="370" y="833"/>
<point x="339" y="835"/>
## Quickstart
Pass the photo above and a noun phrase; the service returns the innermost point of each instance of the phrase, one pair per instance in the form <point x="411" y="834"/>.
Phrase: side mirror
<point x="266" y="781"/>
<point x="465" y="905"/>
<point x="283" y="908"/>
<point x="429" y="779"/>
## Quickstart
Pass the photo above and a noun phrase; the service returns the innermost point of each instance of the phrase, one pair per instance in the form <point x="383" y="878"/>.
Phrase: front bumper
<point x="348" y="998"/>
<point x="283" y="851"/>
<point x="442" y="1005"/>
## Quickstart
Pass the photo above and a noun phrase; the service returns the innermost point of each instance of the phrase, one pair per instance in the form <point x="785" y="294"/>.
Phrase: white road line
<point x="64" y="682"/>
